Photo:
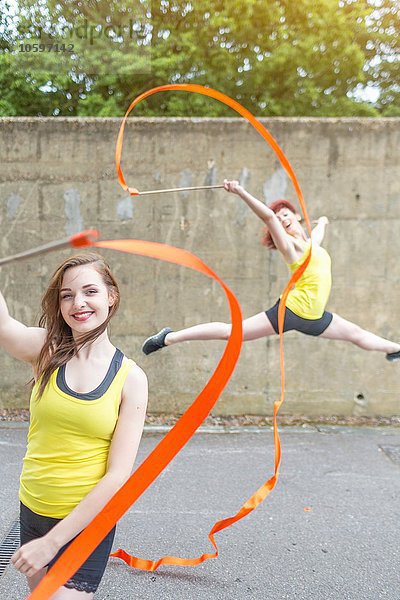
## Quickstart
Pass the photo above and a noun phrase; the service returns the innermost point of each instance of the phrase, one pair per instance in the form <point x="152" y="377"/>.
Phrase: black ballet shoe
<point x="156" y="342"/>
<point x="393" y="356"/>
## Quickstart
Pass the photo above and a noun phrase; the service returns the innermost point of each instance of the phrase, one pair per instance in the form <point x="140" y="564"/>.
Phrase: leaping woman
<point x="306" y="302"/>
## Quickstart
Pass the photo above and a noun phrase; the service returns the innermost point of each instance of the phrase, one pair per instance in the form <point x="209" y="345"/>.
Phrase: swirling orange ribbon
<point x="170" y="445"/>
<point x="87" y="541"/>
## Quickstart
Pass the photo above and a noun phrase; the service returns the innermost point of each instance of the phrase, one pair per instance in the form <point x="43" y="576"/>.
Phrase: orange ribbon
<point x="173" y="441"/>
<point x="241" y="110"/>
<point x="87" y="541"/>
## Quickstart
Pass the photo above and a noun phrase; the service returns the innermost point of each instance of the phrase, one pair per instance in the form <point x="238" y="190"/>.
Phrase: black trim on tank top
<point x="101" y="389"/>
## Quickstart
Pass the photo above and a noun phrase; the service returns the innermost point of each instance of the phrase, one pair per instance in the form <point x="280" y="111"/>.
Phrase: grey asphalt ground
<point x="345" y="547"/>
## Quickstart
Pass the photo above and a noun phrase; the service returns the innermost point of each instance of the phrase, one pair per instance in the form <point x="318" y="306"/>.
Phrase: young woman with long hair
<point x="306" y="303"/>
<point x="87" y="407"/>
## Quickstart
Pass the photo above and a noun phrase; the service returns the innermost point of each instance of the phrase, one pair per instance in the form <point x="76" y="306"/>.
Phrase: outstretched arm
<point x="317" y="234"/>
<point x="282" y="241"/>
<point x="259" y="208"/>
<point x="17" y="339"/>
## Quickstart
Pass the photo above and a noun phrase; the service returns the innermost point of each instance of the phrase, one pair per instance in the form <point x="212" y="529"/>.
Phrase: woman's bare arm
<point x="282" y="241"/>
<point x="317" y="234"/>
<point x="22" y="342"/>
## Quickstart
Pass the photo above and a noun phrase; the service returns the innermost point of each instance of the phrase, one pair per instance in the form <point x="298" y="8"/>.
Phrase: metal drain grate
<point x="8" y="546"/>
<point x="393" y="452"/>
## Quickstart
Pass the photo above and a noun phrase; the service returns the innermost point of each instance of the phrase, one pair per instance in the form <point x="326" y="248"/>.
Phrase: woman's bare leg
<point x="340" y="329"/>
<point x="254" y="328"/>
<point x="63" y="593"/>
<point x="71" y="594"/>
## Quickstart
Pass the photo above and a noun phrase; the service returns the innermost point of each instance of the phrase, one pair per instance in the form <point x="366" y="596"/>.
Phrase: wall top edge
<point x="346" y="120"/>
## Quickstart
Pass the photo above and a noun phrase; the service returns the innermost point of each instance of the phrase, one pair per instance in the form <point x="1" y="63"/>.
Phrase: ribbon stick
<point x="135" y="192"/>
<point x="79" y="240"/>
<point x="241" y="110"/>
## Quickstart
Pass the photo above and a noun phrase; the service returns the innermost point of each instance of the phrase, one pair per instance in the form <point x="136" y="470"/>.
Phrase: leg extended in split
<point x="254" y="327"/>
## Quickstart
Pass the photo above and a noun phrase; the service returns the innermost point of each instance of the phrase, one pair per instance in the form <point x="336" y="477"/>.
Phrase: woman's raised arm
<point x="281" y="240"/>
<point x="22" y="342"/>
<point x="317" y="234"/>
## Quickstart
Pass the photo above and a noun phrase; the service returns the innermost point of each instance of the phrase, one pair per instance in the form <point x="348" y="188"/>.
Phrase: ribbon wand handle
<point x="135" y="192"/>
<point x="78" y="240"/>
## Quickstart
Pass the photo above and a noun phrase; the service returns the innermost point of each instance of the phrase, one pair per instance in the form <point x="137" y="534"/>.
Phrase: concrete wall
<point x="58" y="177"/>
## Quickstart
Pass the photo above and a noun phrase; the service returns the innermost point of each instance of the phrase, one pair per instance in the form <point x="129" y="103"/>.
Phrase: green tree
<point x="277" y="57"/>
<point x="383" y="66"/>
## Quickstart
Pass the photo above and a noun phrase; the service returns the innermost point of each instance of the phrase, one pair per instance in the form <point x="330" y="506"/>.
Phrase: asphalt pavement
<point x="329" y="530"/>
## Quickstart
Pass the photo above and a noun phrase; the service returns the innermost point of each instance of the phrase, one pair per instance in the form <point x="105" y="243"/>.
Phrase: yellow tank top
<point x="310" y="295"/>
<point x="68" y="442"/>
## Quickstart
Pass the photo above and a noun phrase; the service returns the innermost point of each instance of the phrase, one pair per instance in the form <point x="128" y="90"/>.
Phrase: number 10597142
<point x="46" y="47"/>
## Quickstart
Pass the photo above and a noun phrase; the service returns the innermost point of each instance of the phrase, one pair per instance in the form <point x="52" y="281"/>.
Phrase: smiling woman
<point x="87" y="408"/>
<point x="86" y="294"/>
<point x="305" y="305"/>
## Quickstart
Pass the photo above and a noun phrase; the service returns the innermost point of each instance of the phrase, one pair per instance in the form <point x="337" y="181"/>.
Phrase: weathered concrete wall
<point x="58" y="177"/>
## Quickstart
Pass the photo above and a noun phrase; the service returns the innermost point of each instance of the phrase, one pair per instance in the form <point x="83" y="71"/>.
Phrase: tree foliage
<point x="277" y="57"/>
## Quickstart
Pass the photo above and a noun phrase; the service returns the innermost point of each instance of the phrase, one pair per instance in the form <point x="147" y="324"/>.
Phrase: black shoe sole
<point x="155" y="342"/>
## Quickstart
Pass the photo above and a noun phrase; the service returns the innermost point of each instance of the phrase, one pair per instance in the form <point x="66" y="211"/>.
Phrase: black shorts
<point x="294" y="322"/>
<point x="89" y="575"/>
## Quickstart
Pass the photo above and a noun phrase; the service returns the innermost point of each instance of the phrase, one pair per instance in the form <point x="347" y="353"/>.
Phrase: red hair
<point x="276" y="206"/>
